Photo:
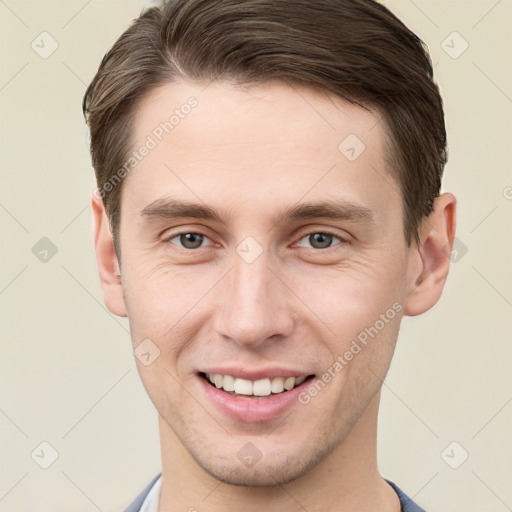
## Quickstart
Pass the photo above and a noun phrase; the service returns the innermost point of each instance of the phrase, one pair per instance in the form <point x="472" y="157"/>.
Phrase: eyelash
<point x="329" y="233"/>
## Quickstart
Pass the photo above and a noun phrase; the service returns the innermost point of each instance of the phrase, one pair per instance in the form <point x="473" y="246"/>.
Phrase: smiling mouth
<point x="261" y="388"/>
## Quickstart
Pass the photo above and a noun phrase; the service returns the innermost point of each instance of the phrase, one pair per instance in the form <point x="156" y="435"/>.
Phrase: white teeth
<point x="261" y="387"/>
<point x="229" y="383"/>
<point x="289" y="383"/>
<point x="277" y="385"/>
<point x="243" y="387"/>
<point x="218" y="380"/>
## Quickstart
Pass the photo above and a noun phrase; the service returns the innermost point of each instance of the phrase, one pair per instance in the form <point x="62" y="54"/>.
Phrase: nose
<point x="253" y="304"/>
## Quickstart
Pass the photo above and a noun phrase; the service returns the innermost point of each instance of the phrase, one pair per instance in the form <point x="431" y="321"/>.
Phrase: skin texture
<point x="250" y="154"/>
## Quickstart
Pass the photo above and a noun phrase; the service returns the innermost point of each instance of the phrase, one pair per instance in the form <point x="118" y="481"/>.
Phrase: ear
<point x="106" y="258"/>
<point x="431" y="259"/>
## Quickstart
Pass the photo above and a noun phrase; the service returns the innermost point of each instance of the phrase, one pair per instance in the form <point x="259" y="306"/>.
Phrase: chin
<point x="263" y="476"/>
<point x="276" y="468"/>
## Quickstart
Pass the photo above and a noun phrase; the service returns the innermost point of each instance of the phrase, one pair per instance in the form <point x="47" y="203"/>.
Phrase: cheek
<point x="363" y="360"/>
<point x="168" y="306"/>
<point x="162" y="293"/>
<point x="349" y="298"/>
<point x="360" y="312"/>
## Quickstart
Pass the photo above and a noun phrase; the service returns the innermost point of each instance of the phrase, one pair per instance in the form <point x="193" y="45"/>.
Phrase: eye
<point x="189" y="240"/>
<point x="320" y="240"/>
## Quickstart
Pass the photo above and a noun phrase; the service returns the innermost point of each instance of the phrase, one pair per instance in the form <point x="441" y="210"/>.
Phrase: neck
<point x="347" y="480"/>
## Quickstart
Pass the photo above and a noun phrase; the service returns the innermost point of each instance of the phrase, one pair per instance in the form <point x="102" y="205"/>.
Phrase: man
<point x="268" y="209"/>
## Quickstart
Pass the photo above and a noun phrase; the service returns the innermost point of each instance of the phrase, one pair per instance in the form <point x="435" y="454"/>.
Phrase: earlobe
<point x="106" y="258"/>
<point x="432" y="258"/>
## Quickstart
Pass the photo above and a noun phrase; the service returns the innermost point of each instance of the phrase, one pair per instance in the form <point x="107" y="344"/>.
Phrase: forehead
<point x="224" y="143"/>
<point x="252" y="114"/>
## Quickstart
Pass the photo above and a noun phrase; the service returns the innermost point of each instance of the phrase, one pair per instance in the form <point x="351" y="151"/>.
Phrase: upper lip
<point x="256" y="373"/>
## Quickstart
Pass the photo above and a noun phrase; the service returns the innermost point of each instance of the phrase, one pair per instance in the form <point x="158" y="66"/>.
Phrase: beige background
<point x="67" y="373"/>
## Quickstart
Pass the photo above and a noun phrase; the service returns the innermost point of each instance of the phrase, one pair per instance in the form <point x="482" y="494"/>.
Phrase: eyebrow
<point x="169" y="208"/>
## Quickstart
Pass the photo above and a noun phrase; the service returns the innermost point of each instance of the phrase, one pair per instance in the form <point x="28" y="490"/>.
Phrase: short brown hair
<point x="356" y="49"/>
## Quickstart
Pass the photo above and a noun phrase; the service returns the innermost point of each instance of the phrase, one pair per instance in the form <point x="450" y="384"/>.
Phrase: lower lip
<point x="252" y="410"/>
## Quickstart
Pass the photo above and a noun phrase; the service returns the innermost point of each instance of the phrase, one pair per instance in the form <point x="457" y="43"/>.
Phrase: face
<point x="258" y="242"/>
